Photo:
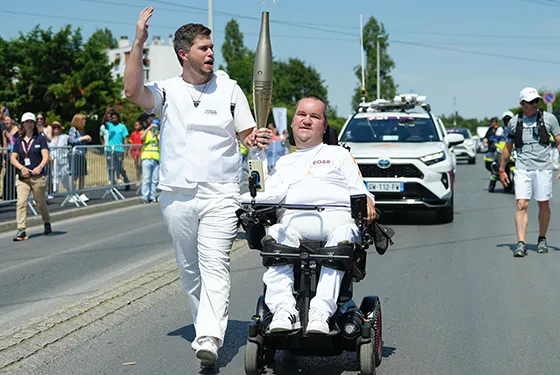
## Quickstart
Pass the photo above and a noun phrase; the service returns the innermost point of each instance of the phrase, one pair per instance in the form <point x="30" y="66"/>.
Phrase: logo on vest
<point x="321" y="162"/>
<point x="212" y="112"/>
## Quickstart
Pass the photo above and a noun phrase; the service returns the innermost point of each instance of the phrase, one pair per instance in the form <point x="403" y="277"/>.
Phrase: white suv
<point x="403" y="158"/>
<point x="467" y="149"/>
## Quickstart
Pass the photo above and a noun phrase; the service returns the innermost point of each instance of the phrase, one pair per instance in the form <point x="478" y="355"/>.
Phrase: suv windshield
<point x="463" y="131"/>
<point x="393" y="128"/>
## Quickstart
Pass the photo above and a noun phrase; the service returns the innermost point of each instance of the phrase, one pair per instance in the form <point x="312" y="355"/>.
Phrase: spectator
<point x="78" y="138"/>
<point x="150" y="162"/>
<point x="30" y="156"/>
<point x="104" y="139"/>
<point x="9" y="137"/>
<point x="118" y="136"/>
<point x="286" y="141"/>
<point x="43" y="126"/>
<point x="136" y="139"/>
<point x="59" y="151"/>
<point x="276" y="149"/>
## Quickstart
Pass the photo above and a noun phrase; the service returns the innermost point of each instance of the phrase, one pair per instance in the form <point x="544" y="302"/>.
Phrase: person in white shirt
<point x="200" y="170"/>
<point x="315" y="174"/>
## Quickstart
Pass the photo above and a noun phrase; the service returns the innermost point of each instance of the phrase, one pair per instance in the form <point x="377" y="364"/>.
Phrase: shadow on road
<point x="233" y="340"/>
<point x="288" y="363"/>
<point x="54" y="234"/>
<point x="530" y="247"/>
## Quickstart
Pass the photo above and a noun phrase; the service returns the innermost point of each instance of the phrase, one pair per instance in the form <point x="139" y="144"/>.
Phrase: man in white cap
<point x="531" y="134"/>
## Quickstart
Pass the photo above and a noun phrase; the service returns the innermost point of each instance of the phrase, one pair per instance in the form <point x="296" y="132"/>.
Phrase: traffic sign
<point x="549" y="97"/>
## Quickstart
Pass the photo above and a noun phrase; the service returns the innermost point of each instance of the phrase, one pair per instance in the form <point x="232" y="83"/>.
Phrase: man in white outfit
<point x="202" y="114"/>
<point x="315" y="174"/>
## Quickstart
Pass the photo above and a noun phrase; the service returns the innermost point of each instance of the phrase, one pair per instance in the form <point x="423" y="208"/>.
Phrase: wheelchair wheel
<point x="367" y="361"/>
<point x="377" y="340"/>
<point x="252" y="359"/>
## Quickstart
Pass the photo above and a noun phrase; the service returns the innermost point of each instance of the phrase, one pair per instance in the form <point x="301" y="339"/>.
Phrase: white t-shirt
<point x="242" y="120"/>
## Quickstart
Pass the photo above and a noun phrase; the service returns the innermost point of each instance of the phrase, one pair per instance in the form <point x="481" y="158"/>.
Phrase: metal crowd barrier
<point x="73" y="171"/>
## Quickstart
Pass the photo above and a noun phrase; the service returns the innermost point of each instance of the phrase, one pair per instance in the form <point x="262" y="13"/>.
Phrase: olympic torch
<point x="262" y="100"/>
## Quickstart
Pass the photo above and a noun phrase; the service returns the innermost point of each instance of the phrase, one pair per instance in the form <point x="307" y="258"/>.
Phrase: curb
<point x="72" y="213"/>
<point x="25" y="348"/>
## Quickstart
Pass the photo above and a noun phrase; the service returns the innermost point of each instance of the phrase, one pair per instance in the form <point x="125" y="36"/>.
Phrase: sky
<point x="470" y="56"/>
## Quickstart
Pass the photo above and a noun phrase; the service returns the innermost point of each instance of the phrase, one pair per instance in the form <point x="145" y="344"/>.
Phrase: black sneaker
<point x="520" y="250"/>
<point x="20" y="235"/>
<point x="542" y="247"/>
<point x="48" y="229"/>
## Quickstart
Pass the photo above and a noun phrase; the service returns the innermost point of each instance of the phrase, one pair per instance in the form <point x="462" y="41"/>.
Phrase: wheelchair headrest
<point x="330" y="137"/>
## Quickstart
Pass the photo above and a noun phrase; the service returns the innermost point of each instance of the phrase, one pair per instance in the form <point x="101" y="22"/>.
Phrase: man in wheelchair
<point x="315" y="174"/>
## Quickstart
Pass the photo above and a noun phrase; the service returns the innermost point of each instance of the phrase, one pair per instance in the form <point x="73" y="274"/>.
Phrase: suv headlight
<point x="433" y="158"/>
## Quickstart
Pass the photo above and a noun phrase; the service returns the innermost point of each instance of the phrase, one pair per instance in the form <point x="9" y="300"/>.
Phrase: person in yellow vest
<point x="150" y="162"/>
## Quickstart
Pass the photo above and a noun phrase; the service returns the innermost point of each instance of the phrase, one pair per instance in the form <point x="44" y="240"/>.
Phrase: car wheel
<point x="445" y="215"/>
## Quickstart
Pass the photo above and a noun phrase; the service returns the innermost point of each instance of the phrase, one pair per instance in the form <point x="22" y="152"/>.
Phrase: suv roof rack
<point x="400" y="102"/>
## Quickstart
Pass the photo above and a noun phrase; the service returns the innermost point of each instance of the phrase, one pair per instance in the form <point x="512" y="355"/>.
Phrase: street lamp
<point x="211" y="16"/>
<point x="379" y="67"/>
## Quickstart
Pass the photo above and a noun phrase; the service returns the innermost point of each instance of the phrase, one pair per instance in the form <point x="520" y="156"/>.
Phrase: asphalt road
<point x="454" y="299"/>
<point x="84" y="255"/>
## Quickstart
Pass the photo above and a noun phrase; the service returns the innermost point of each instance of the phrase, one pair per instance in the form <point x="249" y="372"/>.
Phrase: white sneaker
<point x="207" y="353"/>
<point x="195" y="345"/>
<point x="84" y="198"/>
<point x="318" y="322"/>
<point x="285" y="320"/>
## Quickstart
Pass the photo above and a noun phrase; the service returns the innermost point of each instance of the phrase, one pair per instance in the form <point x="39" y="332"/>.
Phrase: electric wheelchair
<point x="352" y="327"/>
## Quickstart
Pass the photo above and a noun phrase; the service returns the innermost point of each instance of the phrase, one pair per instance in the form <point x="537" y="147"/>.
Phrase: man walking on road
<point x="202" y="115"/>
<point x="530" y="132"/>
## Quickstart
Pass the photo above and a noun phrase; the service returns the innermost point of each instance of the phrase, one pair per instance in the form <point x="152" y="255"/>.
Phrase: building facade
<point x="160" y="60"/>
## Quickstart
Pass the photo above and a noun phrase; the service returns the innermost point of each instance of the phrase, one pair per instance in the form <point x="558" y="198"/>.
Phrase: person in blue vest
<point x="30" y="157"/>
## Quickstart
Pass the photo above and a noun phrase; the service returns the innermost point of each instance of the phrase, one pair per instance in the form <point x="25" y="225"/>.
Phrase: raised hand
<point x="142" y="25"/>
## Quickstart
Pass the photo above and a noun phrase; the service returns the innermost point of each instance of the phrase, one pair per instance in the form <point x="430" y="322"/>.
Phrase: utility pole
<point x="211" y="16"/>
<point x="455" y="108"/>
<point x="362" y="55"/>
<point x="378" y="68"/>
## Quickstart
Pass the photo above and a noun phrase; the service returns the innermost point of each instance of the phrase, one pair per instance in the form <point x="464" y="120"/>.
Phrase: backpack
<point x="544" y="138"/>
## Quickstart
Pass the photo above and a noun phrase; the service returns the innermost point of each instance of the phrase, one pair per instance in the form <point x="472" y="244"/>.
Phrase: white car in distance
<point x="467" y="149"/>
<point x="404" y="160"/>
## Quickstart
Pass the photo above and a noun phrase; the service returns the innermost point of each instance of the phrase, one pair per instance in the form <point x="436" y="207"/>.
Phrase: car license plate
<point x="397" y="187"/>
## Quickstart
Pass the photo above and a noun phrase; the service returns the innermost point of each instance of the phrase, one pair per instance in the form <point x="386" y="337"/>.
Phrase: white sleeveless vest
<point x="198" y="144"/>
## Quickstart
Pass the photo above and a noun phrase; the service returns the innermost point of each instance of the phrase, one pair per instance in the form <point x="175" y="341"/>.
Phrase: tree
<point x="292" y="79"/>
<point x="388" y="88"/>
<point x="238" y="58"/>
<point x="105" y="38"/>
<point x="59" y="74"/>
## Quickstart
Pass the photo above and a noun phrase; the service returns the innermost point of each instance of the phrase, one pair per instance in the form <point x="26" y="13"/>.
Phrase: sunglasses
<point x="534" y="101"/>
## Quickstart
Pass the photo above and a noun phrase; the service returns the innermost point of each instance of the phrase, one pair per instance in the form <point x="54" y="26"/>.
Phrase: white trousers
<point x="533" y="183"/>
<point x="334" y="226"/>
<point x="202" y="232"/>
